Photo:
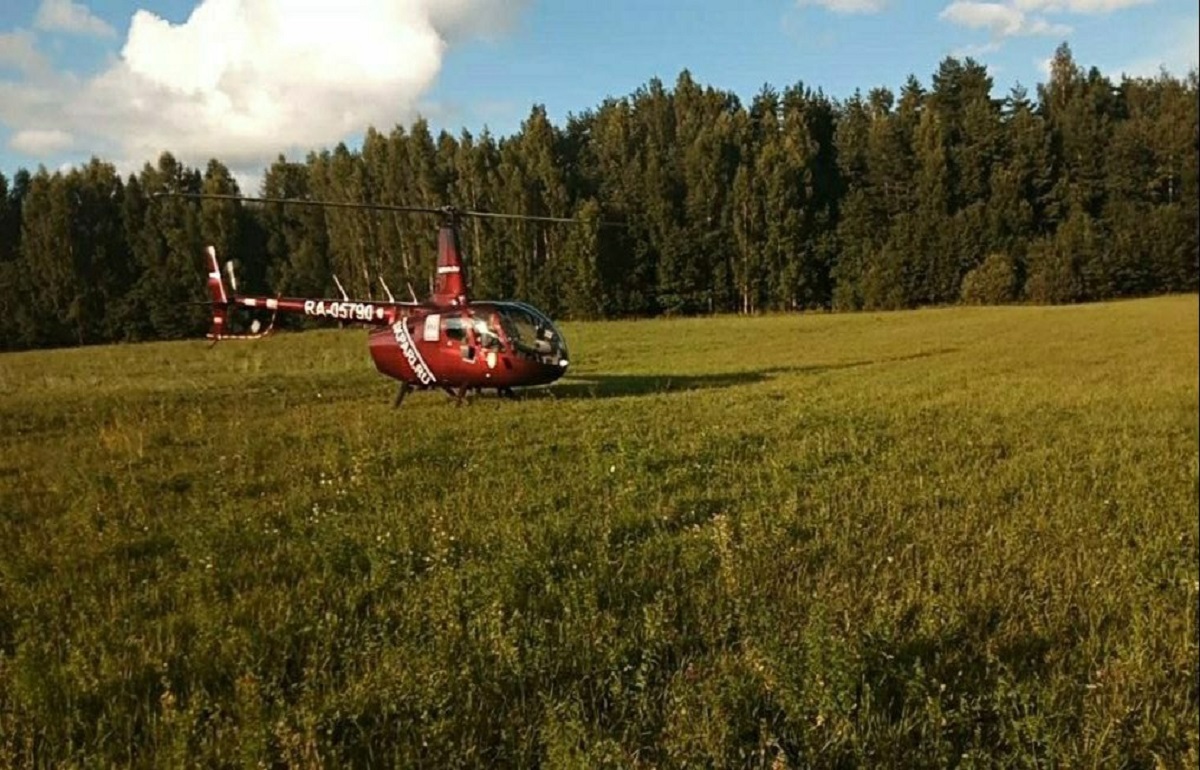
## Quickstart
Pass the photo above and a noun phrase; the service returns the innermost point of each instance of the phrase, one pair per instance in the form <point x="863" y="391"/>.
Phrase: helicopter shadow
<point x="598" y="385"/>
<point x="621" y="385"/>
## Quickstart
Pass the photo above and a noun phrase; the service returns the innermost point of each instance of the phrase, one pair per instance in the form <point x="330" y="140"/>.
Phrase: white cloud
<point x="999" y="19"/>
<point x="75" y="18"/>
<point x="19" y="51"/>
<point x="1012" y="18"/>
<point x="41" y="142"/>
<point x="977" y="50"/>
<point x="244" y="80"/>
<point x="848" y="6"/>
<point x="1078" y="6"/>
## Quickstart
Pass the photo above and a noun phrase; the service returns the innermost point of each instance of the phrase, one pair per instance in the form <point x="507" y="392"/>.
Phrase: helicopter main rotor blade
<point x="532" y="217"/>
<point x="448" y="211"/>
<point x="304" y="202"/>
<point x="535" y="218"/>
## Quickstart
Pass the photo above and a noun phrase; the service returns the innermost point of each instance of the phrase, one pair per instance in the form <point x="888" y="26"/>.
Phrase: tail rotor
<point x="223" y="301"/>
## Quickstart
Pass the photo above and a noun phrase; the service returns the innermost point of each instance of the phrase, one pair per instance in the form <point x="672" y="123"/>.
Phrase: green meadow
<point x="960" y="537"/>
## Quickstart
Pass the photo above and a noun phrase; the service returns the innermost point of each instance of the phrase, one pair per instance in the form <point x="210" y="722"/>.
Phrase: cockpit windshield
<point x="529" y="333"/>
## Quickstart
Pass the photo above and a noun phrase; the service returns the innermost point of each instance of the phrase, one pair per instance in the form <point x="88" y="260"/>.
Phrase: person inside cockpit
<point x="488" y="332"/>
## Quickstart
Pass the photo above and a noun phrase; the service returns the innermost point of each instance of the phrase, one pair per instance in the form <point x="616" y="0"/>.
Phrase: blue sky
<point x="246" y="80"/>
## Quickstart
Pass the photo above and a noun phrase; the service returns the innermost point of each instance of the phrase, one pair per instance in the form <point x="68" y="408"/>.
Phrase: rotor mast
<point x="450" y="285"/>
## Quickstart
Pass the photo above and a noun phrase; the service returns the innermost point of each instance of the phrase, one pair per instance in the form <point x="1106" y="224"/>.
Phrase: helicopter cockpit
<point x="496" y="328"/>
<point x="529" y="333"/>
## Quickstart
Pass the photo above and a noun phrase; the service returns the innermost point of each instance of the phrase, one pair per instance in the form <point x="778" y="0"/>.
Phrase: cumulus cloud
<point x="848" y="6"/>
<point x="974" y="51"/>
<point x="19" y="51"/>
<point x="74" y="18"/>
<point x="244" y="80"/>
<point x="999" y="19"/>
<point x="1012" y="18"/>
<point x="41" y="142"/>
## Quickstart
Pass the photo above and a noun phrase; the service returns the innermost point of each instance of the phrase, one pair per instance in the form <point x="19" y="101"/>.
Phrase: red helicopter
<point x="448" y="342"/>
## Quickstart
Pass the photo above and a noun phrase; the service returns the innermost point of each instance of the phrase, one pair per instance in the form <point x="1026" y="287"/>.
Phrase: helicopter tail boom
<point x="225" y="304"/>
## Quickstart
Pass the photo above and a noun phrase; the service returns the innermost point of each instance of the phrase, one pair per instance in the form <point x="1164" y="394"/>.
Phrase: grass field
<point x="960" y="537"/>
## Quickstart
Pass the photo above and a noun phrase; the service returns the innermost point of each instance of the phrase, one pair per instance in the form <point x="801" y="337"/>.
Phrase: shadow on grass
<point x="622" y="385"/>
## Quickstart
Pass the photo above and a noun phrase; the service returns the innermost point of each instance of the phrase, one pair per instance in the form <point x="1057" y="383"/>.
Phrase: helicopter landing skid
<point x="459" y="395"/>
<point x="403" y="391"/>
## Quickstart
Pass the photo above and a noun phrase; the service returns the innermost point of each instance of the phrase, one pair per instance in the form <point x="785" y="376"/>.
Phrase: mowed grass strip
<point x="959" y="537"/>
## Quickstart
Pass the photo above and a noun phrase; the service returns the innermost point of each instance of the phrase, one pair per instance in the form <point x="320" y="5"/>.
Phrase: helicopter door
<point x="488" y="333"/>
<point x="454" y="332"/>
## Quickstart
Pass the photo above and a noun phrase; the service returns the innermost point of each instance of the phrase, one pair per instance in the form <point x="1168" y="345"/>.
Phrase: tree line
<point x="794" y="201"/>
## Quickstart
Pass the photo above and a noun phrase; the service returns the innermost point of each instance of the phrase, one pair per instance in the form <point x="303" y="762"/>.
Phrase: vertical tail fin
<point x="223" y="302"/>
<point x="220" y="299"/>
<point x="450" y="286"/>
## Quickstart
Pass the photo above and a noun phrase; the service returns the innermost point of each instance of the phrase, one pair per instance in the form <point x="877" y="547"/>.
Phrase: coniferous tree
<point x="613" y="151"/>
<point x="11" y="301"/>
<point x="583" y="291"/>
<point x="296" y="245"/>
<point x="1021" y="182"/>
<point x="75" y="260"/>
<point x="168" y="251"/>
<point x="476" y="187"/>
<point x="747" y="225"/>
<point x="102" y="255"/>
<point x="48" y="277"/>
<point x="863" y="219"/>
<point x="706" y="165"/>
<point x="976" y="145"/>
<point x="221" y="225"/>
<point x="10" y="224"/>
<point x="784" y="158"/>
